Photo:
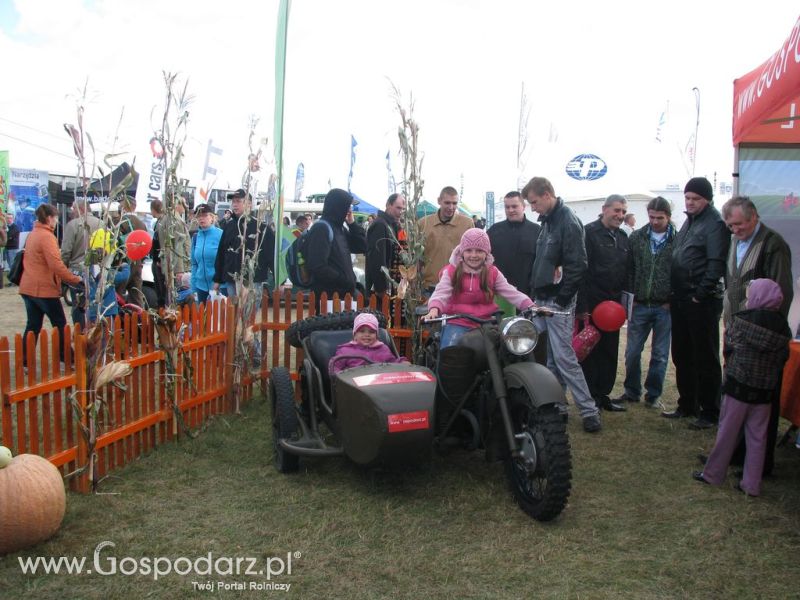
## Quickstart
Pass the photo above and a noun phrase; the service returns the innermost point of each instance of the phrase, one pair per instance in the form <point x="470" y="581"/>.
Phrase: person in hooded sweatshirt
<point x="756" y="349"/>
<point x="330" y="244"/>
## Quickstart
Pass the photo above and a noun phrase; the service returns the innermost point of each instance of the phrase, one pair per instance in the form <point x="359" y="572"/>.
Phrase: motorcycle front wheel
<point x="541" y="476"/>
<point x="284" y="418"/>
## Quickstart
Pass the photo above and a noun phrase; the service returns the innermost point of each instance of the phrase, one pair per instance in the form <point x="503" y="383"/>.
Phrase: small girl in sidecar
<point x="467" y="285"/>
<point x="364" y="344"/>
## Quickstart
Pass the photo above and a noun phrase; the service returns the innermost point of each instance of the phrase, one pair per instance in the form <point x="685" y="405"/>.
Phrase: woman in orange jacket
<point x="43" y="271"/>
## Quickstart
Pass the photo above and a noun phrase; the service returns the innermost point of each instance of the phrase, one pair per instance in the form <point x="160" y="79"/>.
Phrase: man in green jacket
<point x="649" y="261"/>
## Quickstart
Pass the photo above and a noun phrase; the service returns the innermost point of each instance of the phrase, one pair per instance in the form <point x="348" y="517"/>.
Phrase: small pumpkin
<point x="5" y="457"/>
<point x="32" y="502"/>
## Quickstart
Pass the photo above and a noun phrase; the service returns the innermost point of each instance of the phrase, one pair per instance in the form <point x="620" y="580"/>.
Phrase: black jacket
<point x="12" y="243"/>
<point x="560" y="256"/>
<point x="607" y="274"/>
<point x="514" y="251"/>
<point x="381" y="250"/>
<point x="329" y="261"/>
<point x="698" y="256"/>
<point x="648" y="273"/>
<point x="229" y="253"/>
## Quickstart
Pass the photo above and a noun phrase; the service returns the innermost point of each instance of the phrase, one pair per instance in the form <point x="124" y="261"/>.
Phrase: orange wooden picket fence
<point x="43" y="408"/>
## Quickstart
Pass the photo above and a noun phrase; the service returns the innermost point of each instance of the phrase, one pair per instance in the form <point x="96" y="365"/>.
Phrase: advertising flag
<point x="283" y="234"/>
<point x="299" y="181"/>
<point x="353" y="144"/>
<point x="4" y="174"/>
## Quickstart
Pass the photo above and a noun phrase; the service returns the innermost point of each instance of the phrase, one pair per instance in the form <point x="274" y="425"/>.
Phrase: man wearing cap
<point x="605" y="279"/>
<point x="441" y="232"/>
<point x="205" y="244"/>
<point x="697" y="270"/>
<point x="330" y="244"/>
<point x="385" y="240"/>
<point x="243" y="230"/>
<point x="559" y="266"/>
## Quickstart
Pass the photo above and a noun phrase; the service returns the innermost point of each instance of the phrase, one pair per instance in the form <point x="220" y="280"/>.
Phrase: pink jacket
<point x="379" y="352"/>
<point x="471" y="299"/>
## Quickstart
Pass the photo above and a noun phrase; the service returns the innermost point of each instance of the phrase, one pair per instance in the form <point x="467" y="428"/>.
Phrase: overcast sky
<point x="597" y="74"/>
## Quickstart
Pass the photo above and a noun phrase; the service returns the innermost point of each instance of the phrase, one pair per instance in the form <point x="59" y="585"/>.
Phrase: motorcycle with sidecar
<point x="486" y="392"/>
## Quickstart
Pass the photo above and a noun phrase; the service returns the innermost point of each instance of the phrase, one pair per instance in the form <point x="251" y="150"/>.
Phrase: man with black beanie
<point x="698" y="267"/>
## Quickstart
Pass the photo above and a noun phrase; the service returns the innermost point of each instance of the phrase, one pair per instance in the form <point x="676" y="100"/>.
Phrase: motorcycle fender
<point x="540" y="383"/>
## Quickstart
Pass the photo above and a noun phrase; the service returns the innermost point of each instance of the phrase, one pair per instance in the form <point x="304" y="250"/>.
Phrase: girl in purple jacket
<point x="468" y="285"/>
<point x="364" y="344"/>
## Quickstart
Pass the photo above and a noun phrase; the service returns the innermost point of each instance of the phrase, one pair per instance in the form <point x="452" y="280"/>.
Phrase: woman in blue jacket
<point x="204" y="252"/>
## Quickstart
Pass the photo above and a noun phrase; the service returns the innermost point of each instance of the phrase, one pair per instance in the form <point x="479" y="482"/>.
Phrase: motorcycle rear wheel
<point x="541" y="488"/>
<point x="284" y="418"/>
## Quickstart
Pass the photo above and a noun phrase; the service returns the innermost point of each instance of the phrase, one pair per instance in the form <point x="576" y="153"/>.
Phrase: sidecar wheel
<point x="284" y="418"/>
<point x="540" y="479"/>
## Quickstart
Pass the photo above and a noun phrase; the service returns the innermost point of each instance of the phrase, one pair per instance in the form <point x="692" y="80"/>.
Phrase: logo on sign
<point x="393" y="378"/>
<point x="586" y="167"/>
<point x="408" y="421"/>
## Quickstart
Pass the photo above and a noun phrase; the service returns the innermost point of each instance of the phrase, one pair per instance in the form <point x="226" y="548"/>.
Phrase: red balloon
<point x="138" y="244"/>
<point x="609" y="316"/>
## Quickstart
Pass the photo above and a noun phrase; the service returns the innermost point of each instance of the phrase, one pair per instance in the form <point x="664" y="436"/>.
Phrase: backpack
<point x="295" y="257"/>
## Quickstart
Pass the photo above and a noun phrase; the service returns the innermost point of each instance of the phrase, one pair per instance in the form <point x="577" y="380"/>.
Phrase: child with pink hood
<point x="364" y="345"/>
<point x="756" y="348"/>
<point x="468" y="285"/>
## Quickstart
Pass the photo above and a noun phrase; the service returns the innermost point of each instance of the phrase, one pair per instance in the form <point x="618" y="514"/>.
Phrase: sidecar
<point x="376" y="414"/>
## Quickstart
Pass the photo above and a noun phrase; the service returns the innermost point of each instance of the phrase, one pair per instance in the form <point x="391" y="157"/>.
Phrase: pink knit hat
<point x="365" y="319"/>
<point x="473" y="238"/>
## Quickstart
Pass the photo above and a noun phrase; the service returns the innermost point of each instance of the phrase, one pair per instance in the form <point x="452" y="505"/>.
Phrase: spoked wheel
<point x="540" y="477"/>
<point x="284" y="418"/>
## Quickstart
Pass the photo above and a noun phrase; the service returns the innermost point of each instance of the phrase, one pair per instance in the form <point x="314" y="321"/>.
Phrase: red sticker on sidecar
<point x="408" y="421"/>
<point x="392" y="378"/>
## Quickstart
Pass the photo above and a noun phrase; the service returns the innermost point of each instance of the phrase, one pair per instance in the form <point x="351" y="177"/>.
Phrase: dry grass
<point x="637" y="525"/>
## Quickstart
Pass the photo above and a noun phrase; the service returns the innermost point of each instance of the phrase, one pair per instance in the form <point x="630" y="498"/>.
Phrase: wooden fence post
<point x="81" y="394"/>
<point x="230" y="352"/>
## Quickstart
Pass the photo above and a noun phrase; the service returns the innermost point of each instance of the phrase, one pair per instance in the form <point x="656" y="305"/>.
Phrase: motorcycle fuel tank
<point x="385" y="412"/>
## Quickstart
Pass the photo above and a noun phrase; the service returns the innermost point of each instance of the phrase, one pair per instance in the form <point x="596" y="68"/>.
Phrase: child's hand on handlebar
<point x="432" y="314"/>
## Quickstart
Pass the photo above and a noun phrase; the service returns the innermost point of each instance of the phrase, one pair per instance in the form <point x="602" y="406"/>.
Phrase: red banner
<point x="768" y="88"/>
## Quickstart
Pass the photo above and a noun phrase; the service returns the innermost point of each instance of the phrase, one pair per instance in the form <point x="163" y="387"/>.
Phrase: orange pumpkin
<point x="32" y="502"/>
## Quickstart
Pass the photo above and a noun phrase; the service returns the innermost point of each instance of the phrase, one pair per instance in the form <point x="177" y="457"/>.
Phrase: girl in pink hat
<point x="468" y="284"/>
<point x="364" y="345"/>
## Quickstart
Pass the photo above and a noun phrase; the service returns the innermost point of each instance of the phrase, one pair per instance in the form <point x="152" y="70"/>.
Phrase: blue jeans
<point x="645" y="319"/>
<point x="451" y="334"/>
<point x="202" y="295"/>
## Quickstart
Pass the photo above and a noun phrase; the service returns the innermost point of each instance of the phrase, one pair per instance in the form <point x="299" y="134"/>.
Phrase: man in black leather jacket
<point x="605" y="279"/>
<point x="698" y="267"/>
<point x="559" y="266"/>
<point x="329" y="249"/>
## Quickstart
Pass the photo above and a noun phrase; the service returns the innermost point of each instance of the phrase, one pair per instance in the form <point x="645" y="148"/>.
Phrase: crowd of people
<point x="719" y="266"/>
<point x="682" y="283"/>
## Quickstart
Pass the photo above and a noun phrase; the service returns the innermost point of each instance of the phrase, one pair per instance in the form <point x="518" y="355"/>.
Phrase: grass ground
<point x="637" y="525"/>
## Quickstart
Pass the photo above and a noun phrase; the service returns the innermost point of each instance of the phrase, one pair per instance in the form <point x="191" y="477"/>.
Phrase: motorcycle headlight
<point x="519" y="335"/>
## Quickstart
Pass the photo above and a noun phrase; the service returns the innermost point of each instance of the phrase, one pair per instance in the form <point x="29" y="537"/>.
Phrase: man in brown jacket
<point x="442" y="232"/>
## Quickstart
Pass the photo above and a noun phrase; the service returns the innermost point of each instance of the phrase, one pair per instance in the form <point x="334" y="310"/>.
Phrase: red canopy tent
<point x="762" y="99"/>
<point x="766" y="138"/>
